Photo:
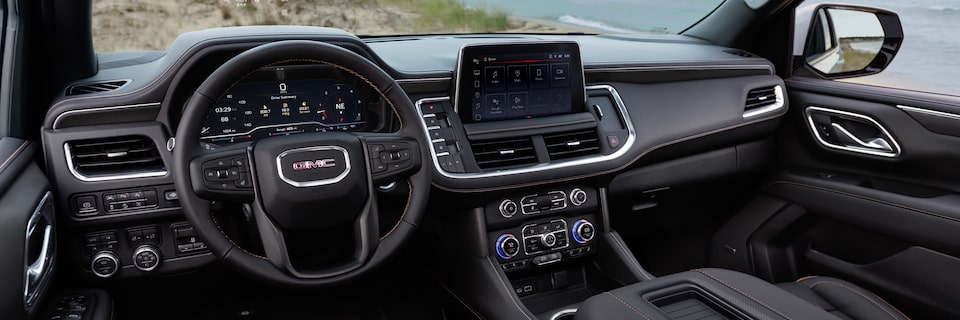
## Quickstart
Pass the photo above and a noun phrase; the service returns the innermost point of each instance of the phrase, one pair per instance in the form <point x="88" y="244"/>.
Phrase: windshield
<point x="120" y="25"/>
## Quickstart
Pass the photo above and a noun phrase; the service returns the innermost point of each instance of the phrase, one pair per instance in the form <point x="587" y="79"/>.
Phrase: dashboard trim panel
<point x="621" y="108"/>
<point x="56" y="122"/>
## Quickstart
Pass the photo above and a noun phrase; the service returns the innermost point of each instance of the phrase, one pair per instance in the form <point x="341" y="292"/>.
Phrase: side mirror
<point x="843" y="41"/>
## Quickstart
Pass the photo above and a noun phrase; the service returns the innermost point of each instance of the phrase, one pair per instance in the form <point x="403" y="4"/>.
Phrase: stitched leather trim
<point x="16" y="152"/>
<point x="405" y="209"/>
<point x="234" y="244"/>
<point x="871" y="300"/>
<point x="627" y="304"/>
<point x="862" y="197"/>
<point x="508" y="290"/>
<point x="742" y="293"/>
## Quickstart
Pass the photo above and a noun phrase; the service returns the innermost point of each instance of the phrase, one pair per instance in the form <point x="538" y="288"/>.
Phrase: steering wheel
<point x="309" y="182"/>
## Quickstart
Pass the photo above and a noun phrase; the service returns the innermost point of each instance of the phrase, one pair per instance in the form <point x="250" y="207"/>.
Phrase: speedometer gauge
<point x="261" y="108"/>
<point x="340" y="105"/>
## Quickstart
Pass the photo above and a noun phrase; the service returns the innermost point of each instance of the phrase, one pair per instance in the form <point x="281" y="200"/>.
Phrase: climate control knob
<point x="146" y="258"/>
<point x="105" y="264"/>
<point x="578" y="197"/>
<point x="583" y="231"/>
<point x="507" y="246"/>
<point x="508" y="208"/>
<point x="548" y="240"/>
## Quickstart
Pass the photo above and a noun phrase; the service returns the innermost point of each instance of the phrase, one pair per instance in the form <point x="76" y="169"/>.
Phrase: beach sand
<point x="122" y="25"/>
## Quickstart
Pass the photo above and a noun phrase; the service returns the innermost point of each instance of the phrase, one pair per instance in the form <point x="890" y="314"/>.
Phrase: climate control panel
<point x="543" y="242"/>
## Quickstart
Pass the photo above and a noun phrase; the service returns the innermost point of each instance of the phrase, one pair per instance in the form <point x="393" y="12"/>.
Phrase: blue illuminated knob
<point x="583" y="231"/>
<point x="507" y="246"/>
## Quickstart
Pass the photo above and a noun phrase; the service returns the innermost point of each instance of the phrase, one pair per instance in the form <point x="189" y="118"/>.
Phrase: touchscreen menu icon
<point x="518" y="77"/>
<point x="493" y="76"/>
<point x="539" y="76"/>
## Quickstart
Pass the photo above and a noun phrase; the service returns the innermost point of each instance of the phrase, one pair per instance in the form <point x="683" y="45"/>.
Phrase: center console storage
<point x="700" y="294"/>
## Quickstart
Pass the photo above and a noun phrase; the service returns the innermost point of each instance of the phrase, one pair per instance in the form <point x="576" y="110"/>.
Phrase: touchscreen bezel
<point x="469" y="51"/>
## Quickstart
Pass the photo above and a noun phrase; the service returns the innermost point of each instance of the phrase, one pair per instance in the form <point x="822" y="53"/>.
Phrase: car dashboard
<point x="526" y="176"/>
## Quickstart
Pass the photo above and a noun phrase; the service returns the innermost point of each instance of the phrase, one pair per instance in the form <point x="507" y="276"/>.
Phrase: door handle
<point x="876" y="143"/>
<point x="851" y="132"/>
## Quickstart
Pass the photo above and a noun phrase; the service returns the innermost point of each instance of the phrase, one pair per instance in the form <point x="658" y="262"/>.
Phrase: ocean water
<point x="929" y="59"/>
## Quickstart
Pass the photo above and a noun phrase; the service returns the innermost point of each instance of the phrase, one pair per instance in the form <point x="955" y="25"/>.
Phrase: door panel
<point x="889" y="221"/>
<point x="27" y="231"/>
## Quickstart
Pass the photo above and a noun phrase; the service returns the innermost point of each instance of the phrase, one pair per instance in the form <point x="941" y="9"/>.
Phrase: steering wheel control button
<point x="583" y="231"/>
<point x="105" y="264"/>
<point x="507" y="246"/>
<point x="578" y="197"/>
<point x="146" y="258"/>
<point x="508" y="208"/>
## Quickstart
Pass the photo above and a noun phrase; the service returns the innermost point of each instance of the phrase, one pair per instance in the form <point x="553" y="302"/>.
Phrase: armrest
<point x="721" y="293"/>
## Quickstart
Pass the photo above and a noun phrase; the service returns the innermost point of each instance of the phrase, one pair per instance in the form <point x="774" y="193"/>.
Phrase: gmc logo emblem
<point x="307" y="165"/>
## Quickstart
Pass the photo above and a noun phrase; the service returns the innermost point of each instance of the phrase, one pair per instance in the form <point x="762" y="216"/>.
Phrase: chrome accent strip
<point x="777" y="105"/>
<point x="621" y="108"/>
<point x="314" y="183"/>
<point x="56" y="122"/>
<point x="808" y="113"/>
<point x="106" y="177"/>
<point x="952" y="116"/>
<point x="37" y="273"/>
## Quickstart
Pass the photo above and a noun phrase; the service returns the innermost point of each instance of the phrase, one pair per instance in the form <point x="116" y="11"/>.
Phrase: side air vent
<point x="572" y="144"/>
<point x="763" y="100"/>
<point x="114" y="158"/>
<point x="96" y="87"/>
<point x="503" y="153"/>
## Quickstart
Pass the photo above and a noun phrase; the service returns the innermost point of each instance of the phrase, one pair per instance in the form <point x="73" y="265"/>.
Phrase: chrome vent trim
<point x="114" y="158"/>
<point x="554" y="165"/>
<point x="494" y="154"/>
<point x="763" y="100"/>
<point x="572" y="144"/>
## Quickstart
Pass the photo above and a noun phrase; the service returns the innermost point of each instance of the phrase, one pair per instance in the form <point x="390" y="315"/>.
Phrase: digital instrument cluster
<point x="286" y="100"/>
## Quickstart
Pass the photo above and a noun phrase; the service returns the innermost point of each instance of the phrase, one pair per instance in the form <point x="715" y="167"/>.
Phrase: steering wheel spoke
<point x="223" y="175"/>
<point x="391" y="157"/>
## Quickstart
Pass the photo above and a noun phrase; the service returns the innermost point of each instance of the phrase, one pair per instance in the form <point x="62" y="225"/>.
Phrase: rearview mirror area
<point x="850" y="41"/>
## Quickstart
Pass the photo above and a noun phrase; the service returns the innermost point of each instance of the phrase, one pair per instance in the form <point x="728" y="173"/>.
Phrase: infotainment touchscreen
<point x="519" y="81"/>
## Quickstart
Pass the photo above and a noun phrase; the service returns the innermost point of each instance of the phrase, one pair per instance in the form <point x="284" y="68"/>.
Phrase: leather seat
<point x="842" y="299"/>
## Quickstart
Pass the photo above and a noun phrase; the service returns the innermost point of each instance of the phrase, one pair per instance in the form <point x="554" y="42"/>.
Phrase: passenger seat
<point x="843" y="299"/>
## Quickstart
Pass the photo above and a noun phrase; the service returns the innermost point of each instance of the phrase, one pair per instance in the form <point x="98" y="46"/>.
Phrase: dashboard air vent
<point x="763" y="100"/>
<point x="114" y="158"/>
<point x="572" y="144"/>
<point x="503" y="153"/>
<point x="96" y="87"/>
